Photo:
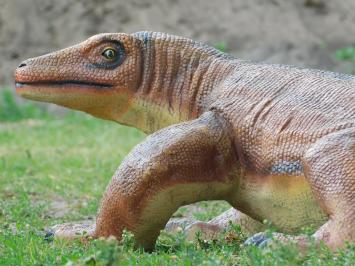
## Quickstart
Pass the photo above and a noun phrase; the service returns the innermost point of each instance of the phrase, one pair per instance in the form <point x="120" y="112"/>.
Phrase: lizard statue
<point x="276" y="142"/>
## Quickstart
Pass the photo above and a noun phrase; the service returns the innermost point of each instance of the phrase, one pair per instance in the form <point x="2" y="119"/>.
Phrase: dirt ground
<point x="297" y="32"/>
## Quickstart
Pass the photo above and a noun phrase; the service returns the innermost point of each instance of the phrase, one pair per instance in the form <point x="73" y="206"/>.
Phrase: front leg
<point x="175" y="166"/>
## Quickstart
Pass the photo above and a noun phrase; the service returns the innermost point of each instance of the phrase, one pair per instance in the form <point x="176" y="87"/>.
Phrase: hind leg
<point x="330" y="169"/>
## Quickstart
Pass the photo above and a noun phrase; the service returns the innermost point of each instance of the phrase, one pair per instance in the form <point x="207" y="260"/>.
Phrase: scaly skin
<point x="276" y="142"/>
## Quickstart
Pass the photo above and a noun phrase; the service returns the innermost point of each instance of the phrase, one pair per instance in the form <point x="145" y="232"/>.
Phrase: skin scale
<point x="276" y="142"/>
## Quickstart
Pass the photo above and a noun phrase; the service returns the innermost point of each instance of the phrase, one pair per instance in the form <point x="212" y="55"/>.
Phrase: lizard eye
<point x="109" y="53"/>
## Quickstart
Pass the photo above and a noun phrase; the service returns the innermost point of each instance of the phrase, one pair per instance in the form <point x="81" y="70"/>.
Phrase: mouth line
<point x="64" y="83"/>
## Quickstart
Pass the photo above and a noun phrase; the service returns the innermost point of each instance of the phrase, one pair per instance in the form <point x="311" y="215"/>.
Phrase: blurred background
<point x="55" y="165"/>
<point x="298" y="32"/>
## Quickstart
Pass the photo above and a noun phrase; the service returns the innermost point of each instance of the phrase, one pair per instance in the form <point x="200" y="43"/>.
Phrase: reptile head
<point x="98" y="76"/>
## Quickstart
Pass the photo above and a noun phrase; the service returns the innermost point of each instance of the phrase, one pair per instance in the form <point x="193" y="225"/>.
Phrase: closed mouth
<point x="64" y="83"/>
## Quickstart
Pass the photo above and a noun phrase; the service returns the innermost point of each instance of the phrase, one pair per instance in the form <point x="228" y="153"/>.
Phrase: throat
<point x="149" y="116"/>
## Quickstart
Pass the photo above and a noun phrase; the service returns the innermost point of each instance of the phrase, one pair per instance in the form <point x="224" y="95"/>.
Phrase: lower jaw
<point x="32" y="93"/>
<point x="53" y="93"/>
<point x="99" y="102"/>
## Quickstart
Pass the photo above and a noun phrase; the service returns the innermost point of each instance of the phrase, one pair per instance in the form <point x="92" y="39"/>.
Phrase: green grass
<point x="346" y="54"/>
<point x="10" y="110"/>
<point x="55" y="169"/>
<point x="222" y="46"/>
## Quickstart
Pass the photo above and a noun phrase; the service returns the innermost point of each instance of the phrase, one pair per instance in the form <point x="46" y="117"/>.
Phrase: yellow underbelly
<point x="284" y="200"/>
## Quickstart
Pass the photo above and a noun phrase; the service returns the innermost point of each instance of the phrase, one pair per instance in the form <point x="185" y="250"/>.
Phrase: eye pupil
<point x="109" y="54"/>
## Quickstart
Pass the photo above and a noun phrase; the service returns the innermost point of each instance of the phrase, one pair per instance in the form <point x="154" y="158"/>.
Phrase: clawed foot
<point x="192" y="227"/>
<point x="69" y="231"/>
<point x="178" y="224"/>
<point x="261" y="239"/>
<point x="206" y="231"/>
<point x="264" y="239"/>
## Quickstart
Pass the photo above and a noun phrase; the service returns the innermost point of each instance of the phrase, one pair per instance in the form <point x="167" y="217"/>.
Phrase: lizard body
<point x="222" y="128"/>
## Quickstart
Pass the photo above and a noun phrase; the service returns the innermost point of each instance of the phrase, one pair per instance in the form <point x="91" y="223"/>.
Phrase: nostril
<point x="22" y="65"/>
